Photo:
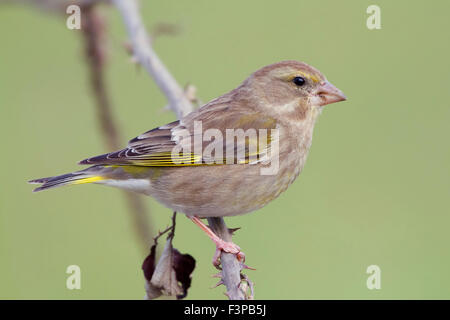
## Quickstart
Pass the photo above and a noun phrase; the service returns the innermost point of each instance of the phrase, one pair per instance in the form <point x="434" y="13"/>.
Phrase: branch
<point x="94" y="41"/>
<point x="231" y="268"/>
<point x="93" y="35"/>
<point x="93" y="30"/>
<point x="146" y="56"/>
<point x="180" y="104"/>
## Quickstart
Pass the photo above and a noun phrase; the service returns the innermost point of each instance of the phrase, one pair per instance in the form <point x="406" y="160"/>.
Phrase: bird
<point x="231" y="156"/>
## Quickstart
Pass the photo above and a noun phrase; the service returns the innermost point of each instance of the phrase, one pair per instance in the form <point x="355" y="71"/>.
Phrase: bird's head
<point x="292" y="88"/>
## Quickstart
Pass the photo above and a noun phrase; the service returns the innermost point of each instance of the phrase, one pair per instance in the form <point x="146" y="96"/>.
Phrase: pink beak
<point x="327" y="93"/>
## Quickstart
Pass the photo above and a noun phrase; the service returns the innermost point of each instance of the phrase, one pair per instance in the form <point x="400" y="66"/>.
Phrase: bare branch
<point x="94" y="40"/>
<point x="144" y="53"/>
<point x="93" y="30"/>
<point x="93" y="34"/>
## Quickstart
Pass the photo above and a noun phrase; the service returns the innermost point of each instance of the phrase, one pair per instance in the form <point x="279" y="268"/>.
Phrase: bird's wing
<point x="152" y="148"/>
<point x="180" y="143"/>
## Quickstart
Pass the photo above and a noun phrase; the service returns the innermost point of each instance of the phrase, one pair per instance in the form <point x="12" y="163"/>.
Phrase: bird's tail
<point x="88" y="175"/>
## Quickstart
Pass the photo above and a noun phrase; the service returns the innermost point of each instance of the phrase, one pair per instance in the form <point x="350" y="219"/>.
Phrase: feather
<point x="181" y="143"/>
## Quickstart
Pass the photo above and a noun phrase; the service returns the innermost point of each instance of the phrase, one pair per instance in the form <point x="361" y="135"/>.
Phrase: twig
<point x="93" y="34"/>
<point x="179" y="104"/>
<point x="146" y="56"/>
<point x="170" y="228"/>
<point x="174" y="223"/>
<point x="94" y="39"/>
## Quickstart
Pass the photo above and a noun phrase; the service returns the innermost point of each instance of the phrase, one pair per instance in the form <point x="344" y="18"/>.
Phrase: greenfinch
<point x="231" y="156"/>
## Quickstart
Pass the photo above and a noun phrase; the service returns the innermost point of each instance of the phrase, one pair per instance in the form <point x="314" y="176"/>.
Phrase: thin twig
<point x="94" y="35"/>
<point x="174" y="223"/>
<point x="147" y="57"/>
<point x="170" y="228"/>
<point x="93" y="29"/>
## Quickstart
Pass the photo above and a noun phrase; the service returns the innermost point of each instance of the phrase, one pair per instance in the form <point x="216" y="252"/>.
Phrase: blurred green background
<point x="375" y="189"/>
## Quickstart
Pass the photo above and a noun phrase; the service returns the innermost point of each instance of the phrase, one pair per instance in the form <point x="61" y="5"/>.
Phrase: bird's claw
<point x="228" y="247"/>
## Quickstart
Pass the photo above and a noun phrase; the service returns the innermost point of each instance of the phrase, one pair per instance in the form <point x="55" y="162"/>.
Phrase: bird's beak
<point x="327" y="93"/>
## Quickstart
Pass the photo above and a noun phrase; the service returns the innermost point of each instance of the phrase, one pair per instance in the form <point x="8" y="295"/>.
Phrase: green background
<point x="375" y="189"/>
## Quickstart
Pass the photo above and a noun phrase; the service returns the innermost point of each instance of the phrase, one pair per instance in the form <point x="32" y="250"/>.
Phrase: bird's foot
<point x="228" y="247"/>
<point x="221" y="245"/>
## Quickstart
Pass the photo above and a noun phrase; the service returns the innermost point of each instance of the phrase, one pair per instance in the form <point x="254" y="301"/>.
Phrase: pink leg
<point x="221" y="245"/>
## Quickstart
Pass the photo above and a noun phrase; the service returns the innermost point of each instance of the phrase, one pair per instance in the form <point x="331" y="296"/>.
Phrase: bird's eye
<point x="299" y="81"/>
